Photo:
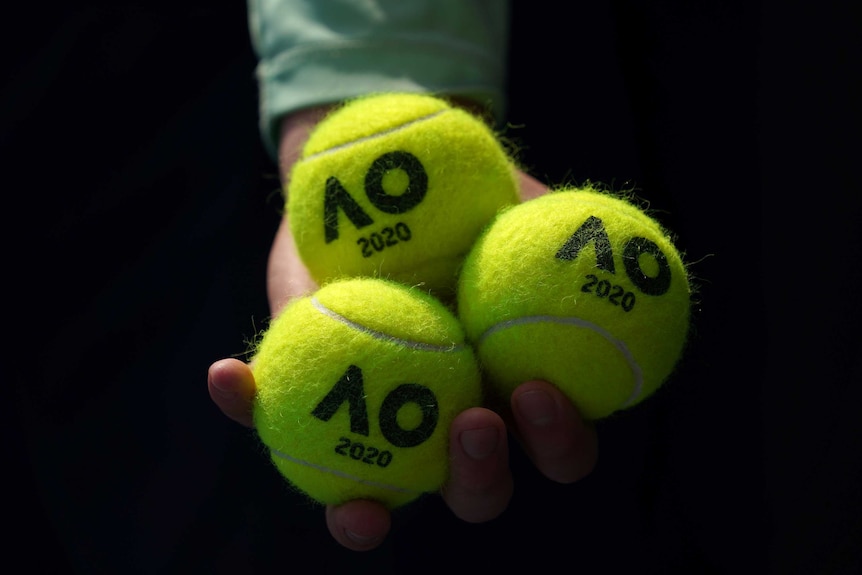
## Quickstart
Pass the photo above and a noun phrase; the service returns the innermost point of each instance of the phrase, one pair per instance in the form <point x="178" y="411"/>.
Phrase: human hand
<point x="561" y="445"/>
<point x="559" y="442"/>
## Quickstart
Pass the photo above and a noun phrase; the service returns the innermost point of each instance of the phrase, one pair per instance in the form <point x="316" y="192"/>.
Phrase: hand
<point x="561" y="445"/>
<point x="559" y="442"/>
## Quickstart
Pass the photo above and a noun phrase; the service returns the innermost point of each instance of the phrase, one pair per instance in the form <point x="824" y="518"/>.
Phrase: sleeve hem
<point x="316" y="75"/>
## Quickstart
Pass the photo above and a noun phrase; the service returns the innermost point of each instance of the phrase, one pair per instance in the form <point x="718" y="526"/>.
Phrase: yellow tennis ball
<point x="579" y="288"/>
<point x="357" y="385"/>
<point x="397" y="186"/>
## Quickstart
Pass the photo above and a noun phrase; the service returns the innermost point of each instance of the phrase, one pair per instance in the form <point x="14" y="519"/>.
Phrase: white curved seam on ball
<point x="375" y="135"/>
<point x="417" y="345"/>
<point x="341" y="474"/>
<point x="637" y="373"/>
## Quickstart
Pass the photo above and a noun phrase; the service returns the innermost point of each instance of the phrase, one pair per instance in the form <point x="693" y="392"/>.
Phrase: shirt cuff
<point x="313" y="74"/>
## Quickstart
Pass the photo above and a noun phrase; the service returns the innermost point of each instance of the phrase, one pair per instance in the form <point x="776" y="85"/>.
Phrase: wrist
<point x="294" y="131"/>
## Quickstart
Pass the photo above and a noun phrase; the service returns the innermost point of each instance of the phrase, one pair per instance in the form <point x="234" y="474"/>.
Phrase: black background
<point x="139" y="209"/>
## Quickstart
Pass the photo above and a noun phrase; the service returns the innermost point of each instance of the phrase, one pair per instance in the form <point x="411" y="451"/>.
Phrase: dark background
<point x="139" y="210"/>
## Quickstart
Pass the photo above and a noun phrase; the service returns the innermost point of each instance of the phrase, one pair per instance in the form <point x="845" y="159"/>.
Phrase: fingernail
<point x="479" y="443"/>
<point x="222" y="391"/>
<point x="537" y="407"/>
<point x="357" y="538"/>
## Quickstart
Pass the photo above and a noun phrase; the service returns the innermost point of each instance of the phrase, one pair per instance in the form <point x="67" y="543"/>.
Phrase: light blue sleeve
<point x="322" y="51"/>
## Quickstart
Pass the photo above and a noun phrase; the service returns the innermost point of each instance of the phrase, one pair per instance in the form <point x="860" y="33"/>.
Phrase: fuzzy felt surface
<point x="397" y="186"/>
<point x="582" y="289"/>
<point x="357" y="385"/>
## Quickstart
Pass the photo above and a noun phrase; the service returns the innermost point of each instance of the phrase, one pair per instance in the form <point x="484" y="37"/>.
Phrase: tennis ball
<point x="579" y="288"/>
<point x="357" y="385"/>
<point x="397" y="186"/>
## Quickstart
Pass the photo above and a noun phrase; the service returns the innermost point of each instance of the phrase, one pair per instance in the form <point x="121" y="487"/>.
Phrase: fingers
<point x="231" y="387"/>
<point x="479" y="487"/>
<point x="359" y="525"/>
<point x="480" y="482"/>
<point x="560" y="443"/>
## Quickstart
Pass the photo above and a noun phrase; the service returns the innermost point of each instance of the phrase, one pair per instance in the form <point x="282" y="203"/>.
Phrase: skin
<point x="561" y="444"/>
